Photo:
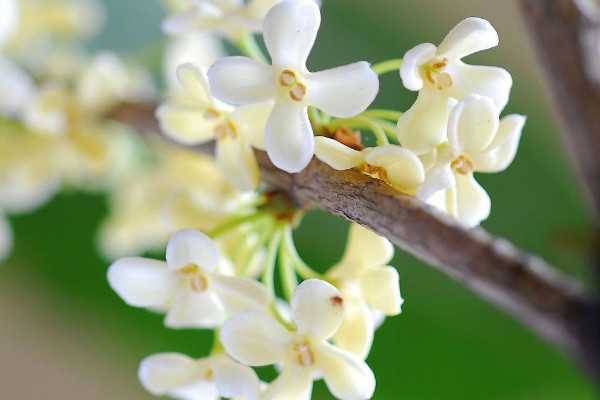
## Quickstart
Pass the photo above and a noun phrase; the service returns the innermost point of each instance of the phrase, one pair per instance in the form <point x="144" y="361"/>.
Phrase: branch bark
<point x="551" y="304"/>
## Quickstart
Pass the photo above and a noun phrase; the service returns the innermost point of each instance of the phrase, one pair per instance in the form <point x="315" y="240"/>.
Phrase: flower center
<point x="289" y="80"/>
<point x="197" y="279"/>
<point x="211" y="114"/>
<point x="305" y="356"/>
<point x="374" y="172"/>
<point x="462" y="165"/>
<point x="435" y="75"/>
<point x="226" y="129"/>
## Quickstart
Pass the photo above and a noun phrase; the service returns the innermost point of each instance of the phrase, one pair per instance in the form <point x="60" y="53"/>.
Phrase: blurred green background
<point x="65" y="334"/>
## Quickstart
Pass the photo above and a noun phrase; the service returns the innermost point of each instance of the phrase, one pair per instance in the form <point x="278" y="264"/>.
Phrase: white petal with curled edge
<point x="336" y="155"/>
<point x="317" y="308"/>
<point x="436" y="179"/>
<point x="233" y="379"/>
<point x="255" y="339"/>
<point x="142" y="282"/>
<point x="184" y="124"/>
<point x="240" y="294"/>
<point x="175" y="375"/>
<point x="238" y="163"/>
<point x="364" y="249"/>
<point x="356" y="332"/>
<point x="471" y="35"/>
<point x="251" y="120"/>
<point x="403" y="167"/>
<point x="241" y="80"/>
<point x="346" y="375"/>
<point x="289" y="136"/>
<point x="381" y="289"/>
<point x="293" y="383"/>
<point x="410" y="71"/>
<point x="9" y="19"/>
<point x="6" y="238"/>
<point x="423" y="127"/>
<point x="501" y="152"/>
<point x="486" y="81"/>
<point x="343" y="91"/>
<point x="290" y="29"/>
<point x="190" y="247"/>
<point x="473" y="204"/>
<point x="196" y="310"/>
<point x="194" y="80"/>
<point x="472" y="125"/>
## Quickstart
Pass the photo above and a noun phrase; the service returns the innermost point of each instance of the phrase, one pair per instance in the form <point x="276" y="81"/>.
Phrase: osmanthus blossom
<point x="232" y="19"/>
<point x="441" y="77"/>
<point x="9" y="20"/>
<point x="366" y="283"/>
<point x="478" y="141"/>
<point x="304" y="353"/>
<point x="187" y="286"/>
<point x="209" y="378"/>
<point x="290" y="30"/>
<point x="198" y="118"/>
<point x="396" y="165"/>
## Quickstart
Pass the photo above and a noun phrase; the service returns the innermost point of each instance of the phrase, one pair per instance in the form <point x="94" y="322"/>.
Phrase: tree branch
<point x="523" y="285"/>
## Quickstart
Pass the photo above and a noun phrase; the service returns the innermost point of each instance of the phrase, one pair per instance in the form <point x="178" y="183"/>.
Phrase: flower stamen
<point x="306" y="357"/>
<point x="226" y="129"/>
<point x="462" y="165"/>
<point x="298" y="92"/>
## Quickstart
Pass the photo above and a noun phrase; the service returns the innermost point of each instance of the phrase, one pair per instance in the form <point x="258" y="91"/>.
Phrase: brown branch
<point x="521" y="284"/>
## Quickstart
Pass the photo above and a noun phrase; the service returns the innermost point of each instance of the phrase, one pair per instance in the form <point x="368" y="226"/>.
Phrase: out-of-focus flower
<point x="366" y="283"/>
<point x="477" y="142"/>
<point x="397" y="166"/>
<point x="210" y="378"/>
<point x="9" y="19"/>
<point x="290" y="30"/>
<point x="257" y="339"/>
<point x="187" y="285"/>
<point x="442" y="78"/>
<point x="16" y="88"/>
<point x="199" y="118"/>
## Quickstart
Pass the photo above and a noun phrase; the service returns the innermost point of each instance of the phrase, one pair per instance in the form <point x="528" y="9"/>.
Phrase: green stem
<point x="270" y="261"/>
<point x="288" y="275"/>
<point x="250" y="48"/>
<point x="389" y="129"/>
<point x="265" y="234"/>
<point x="385" y="114"/>
<point x="233" y="223"/>
<point x="377" y="130"/>
<point x="387" y="66"/>
<point x="301" y="267"/>
<point x="217" y="347"/>
<point x="314" y="115"/>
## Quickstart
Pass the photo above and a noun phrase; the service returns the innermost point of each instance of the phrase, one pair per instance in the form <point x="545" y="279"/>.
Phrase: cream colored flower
<point x="366" y="283"/>
<point x="199" y="118"/>
<point x="290" y="30"/>
<point x="396" y="165"/>
<point x="477" y="142"/>
<point x="187" y="285"/>
<point x="9" y="19"/>
<point x="257" y="339"/>
<point x="440" y="77"/>
<point x="16" y="87"/>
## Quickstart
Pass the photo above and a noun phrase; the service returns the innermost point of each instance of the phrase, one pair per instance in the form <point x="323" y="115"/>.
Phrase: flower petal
<point x="234" y="379"/>
<point x="471" y="35"/>
<point x="290" y="29"/>
<point x="343" y="91"/>
<point x="381" y="289"/>
<point x="251" y="120"/>
<point x="194" y="80"/>
<point x="289" y="137"/>
<point x="472" y="202"/>
<point x="255" y="339"/>
<point x="486" y="81"/>
<point x="356" y="332"/>
<point x="176" y="375"/>
<point x="423" y="127"/>
<point x="185" y="125"/>
<point x="501" y="152"/>
<point x="410" y="71"/>
<point x="336" y="155"/>
<point x="472" y="125"/>
<point x="365" y="249"/>
<point x="293" y="383"/>
<point x="346" y="375"/>
<point x="196" y="310"/>
<point x="317" y="308"/>
<point x="436" y="179"/>
<point x="9" y="19"/>
<point x="238" y="163"/>
<point x="142" y="282"/>
<point x="190" y="247"/>
<point x="241" y="80"/>
<point x="240" y="294"/>
<point x="16" y="86"/>
<point x="403" y="167"/>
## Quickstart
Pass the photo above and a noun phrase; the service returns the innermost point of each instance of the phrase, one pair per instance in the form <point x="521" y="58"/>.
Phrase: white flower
<point x="477" y="142"/>
<point x="187" y="285"/>
<point x="440" y="76"/>
<point x="290" y="30"/>
<point x="396" y="165"/>
<point x="366" y="283"/>
<point x="257" y="339"/>
<point x="16" y="86"/>
<point x="9" y="19"/>
<point x="199" y="118"/>
<point x="230" y="18"/>
<point x="210" y="378"/>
